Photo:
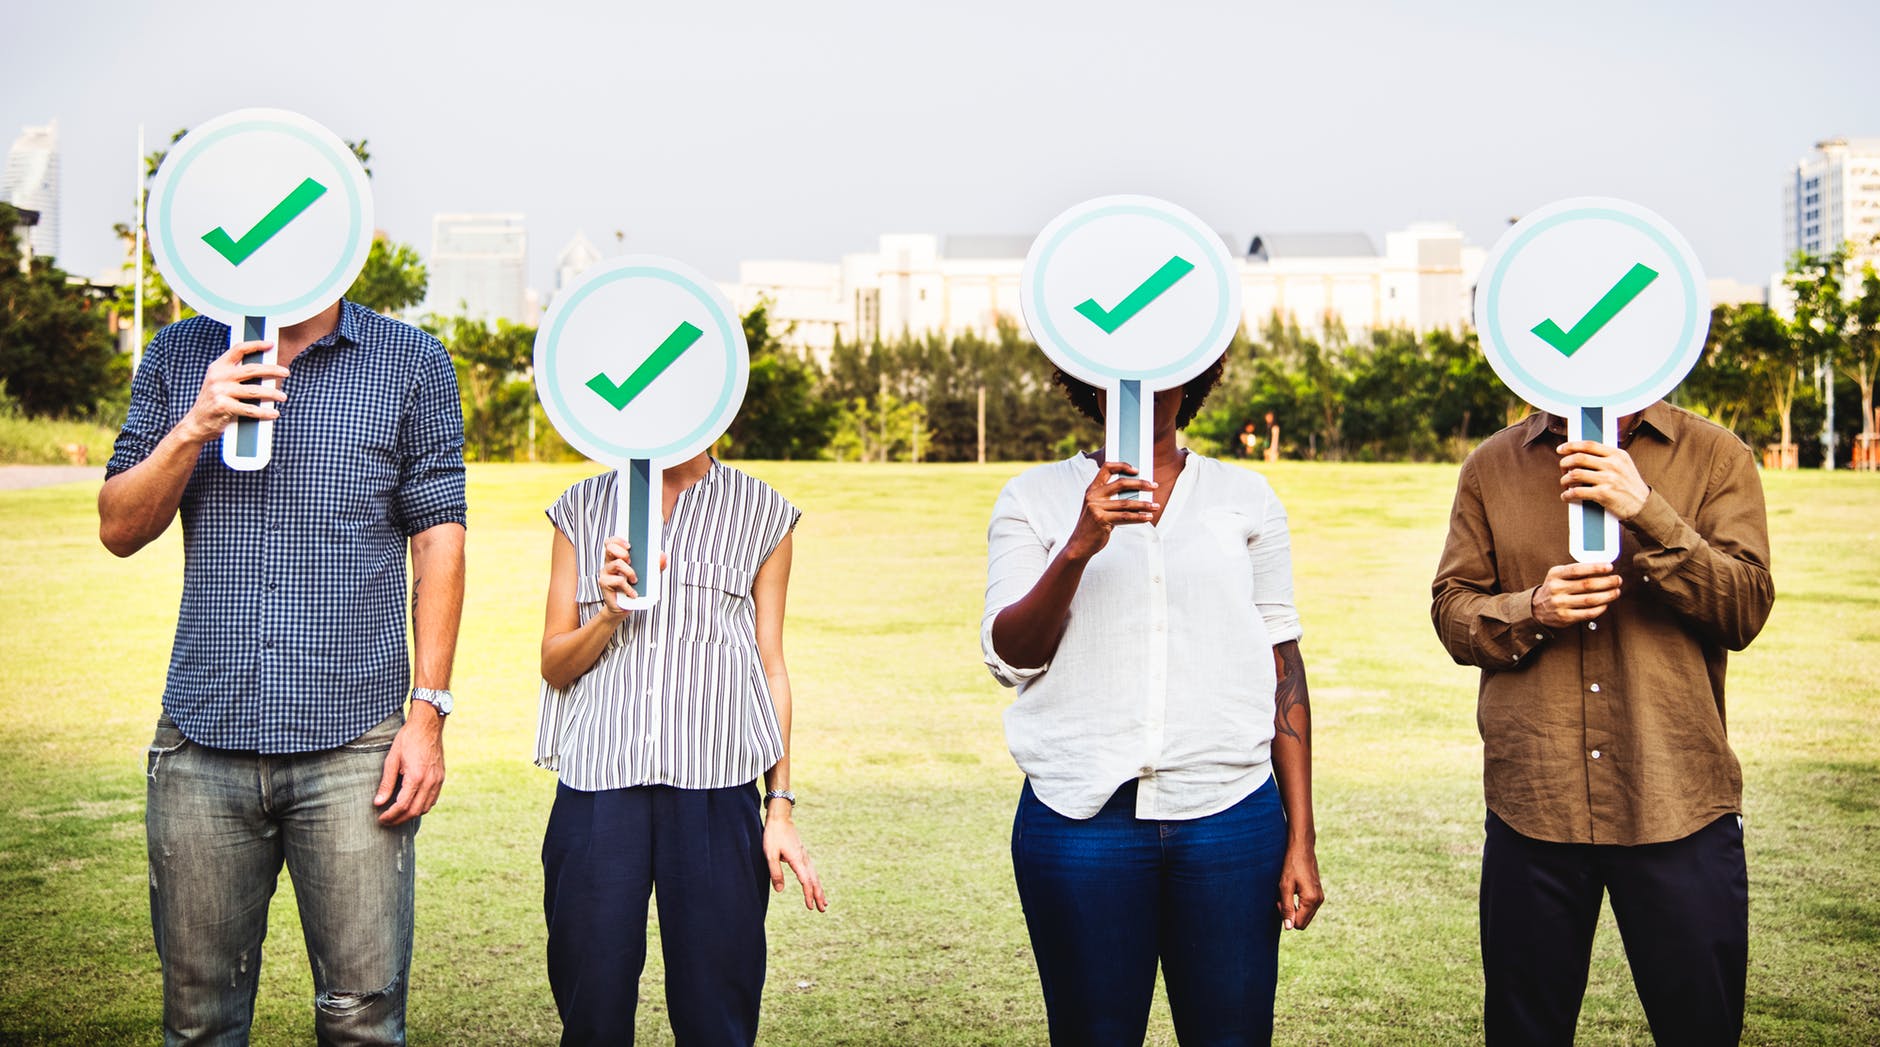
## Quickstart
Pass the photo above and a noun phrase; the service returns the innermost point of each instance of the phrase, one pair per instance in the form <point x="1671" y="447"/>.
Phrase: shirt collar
<point x="350" y="330"/>
<point x="1659" y="418"/>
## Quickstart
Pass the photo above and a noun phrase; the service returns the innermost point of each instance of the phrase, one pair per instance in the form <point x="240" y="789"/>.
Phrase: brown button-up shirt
<point x="1610" y="731"/>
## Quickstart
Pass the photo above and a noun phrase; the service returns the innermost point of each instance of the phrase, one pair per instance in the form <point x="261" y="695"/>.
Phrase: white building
<point x="30" y="181"/>
<point x="920" y="282"/>
<point x="574" y="259"/>
<point x="1832" y="196"/>
<point x="479" y="267"/>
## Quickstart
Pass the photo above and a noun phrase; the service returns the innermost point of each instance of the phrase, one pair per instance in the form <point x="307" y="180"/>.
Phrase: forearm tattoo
<point x="1290" y="700"/>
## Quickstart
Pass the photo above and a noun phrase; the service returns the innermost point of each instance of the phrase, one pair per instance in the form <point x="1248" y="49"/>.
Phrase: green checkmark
<point x="1147" y="291"/>
<point x="652" y="367"/>
<point x="237" y="251"/>
<point x="1608" y="306"/>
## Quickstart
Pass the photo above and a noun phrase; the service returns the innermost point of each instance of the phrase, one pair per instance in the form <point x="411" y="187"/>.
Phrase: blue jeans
<point x="219" y="825"/>
<point x="1105" y="897"/>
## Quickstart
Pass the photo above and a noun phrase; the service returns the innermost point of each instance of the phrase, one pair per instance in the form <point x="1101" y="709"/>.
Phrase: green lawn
<point x="907" y="789"/>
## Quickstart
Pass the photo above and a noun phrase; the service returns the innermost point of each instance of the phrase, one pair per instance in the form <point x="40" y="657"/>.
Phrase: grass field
<point x="908" y="791"/>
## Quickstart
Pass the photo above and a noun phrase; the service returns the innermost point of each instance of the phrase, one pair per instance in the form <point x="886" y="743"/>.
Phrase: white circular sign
<point x="1592" y="302"/>
<point x="642" y="358"/>
<point x="260" y="212"/>
<point x="1130" y="288"/>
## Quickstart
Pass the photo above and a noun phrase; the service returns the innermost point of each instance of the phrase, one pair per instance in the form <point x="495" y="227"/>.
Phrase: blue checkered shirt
<point x="291" y="636"/>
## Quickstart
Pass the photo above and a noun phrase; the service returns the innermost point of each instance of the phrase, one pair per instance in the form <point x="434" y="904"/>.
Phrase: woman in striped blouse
<point x="658" y="723"/>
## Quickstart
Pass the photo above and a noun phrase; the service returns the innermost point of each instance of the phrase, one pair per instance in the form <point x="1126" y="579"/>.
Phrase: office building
<point x="1832" y="196"/>
<point x="479" y="267"/>
<point x="30" y="180"/>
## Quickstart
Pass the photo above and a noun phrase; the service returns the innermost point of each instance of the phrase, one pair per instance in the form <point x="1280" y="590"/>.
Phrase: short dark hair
<point x="1084" y="396"/>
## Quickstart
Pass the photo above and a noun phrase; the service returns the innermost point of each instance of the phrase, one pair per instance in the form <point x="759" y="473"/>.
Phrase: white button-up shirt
<point x="1165" y="670"/>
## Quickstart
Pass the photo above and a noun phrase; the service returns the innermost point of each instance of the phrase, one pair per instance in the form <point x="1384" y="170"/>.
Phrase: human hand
<point x="417" y="757"/>
<point x="1300" y="893"/>
<point x="1600" y="473"/>
<point x="782" y="846"/>
<point x="1574" y="593"/>
<point x="618" y="577"/>
<point x="226" y="398"/>
<point x="1104" y="509"/>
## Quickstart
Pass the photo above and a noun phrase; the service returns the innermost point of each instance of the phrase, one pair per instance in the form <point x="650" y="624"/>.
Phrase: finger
<point x="402" y="809"/>
<point x="1126" y="505"/>
<point x="1578" y="570"/>
<point x="394" y="760"/>
<point x="1588" y="447"/>
<point x="806" y="876"/>
<point x="1308" y="908"/>
<point x="776" y="870"/>
<point x="1592" y="584"/>
<point x="248" y="409"/>
<point x="244" y="391"/>
<point x="1110" y="469"/>
<point x="662" y="561"/>
<point x="248" y="371"/>
<point x="618" y="549"/>
<point x="241" y="349"/>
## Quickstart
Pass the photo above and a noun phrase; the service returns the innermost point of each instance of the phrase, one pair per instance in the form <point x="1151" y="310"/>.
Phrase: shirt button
<point x="1540" y="636"/>
<point x="1592" y="627"/>
<point x="268" y="644"/>
<point x="1148" y="770"/>
<point x="270" y="587"/>
<point x="1157" y="579"/>
<point x="1595" y="754"/>
<point x="1594" y="688"/>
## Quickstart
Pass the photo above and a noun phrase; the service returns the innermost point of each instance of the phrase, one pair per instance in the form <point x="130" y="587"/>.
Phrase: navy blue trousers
<point x="603" y="855"/>
<point x="1682" y="909"/>
<point x="1107" y="896"/>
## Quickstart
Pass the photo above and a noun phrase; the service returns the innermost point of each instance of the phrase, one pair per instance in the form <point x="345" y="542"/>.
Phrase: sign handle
<point x="1129" y="430"/>
<point x="248" y="445"/>
<point x="638" y="517"/>
<point x="1592" y="532"/>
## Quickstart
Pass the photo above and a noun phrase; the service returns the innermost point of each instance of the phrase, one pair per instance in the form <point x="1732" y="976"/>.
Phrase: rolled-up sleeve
<point x="431" y="472"/>
<point x="1271" y="552"/>
<point x="1016" y="557"/>
<point x="148" y="420"/>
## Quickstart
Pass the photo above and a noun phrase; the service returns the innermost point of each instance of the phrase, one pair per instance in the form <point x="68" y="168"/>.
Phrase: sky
<point x="719" y="132"/>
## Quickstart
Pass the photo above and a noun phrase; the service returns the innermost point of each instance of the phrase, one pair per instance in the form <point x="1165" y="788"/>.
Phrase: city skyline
<point x="757" y="133"/>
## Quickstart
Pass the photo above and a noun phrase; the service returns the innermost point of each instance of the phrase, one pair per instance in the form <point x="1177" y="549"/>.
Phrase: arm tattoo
<point x="1290" y="694"/>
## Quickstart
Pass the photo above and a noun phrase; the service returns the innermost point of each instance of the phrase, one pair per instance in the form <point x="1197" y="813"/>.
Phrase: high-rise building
<point x="479" y="267"/>
<point x="30" y="180"/>
<point x="573" y="260"/>
<point x="1832" y="196"/>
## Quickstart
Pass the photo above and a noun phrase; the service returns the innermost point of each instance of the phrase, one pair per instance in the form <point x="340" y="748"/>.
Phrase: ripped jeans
<point x="219" y="825"/>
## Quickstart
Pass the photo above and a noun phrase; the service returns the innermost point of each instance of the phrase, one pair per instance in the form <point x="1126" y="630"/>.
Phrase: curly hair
<point x="1087" y="398"/>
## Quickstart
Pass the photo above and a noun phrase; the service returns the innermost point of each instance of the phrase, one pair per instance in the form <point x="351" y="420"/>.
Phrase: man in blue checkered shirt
<point x="284" y="737"/>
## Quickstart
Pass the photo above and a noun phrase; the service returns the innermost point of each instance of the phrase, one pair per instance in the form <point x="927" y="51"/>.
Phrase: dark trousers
<point x="602" y="856"/>
<point x="1106" y="896"/>
<point x="1683" y="912"/>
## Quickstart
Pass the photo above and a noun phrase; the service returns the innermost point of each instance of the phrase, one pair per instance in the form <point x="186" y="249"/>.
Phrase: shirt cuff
<point x="1660" y="524"/>
<point x="1524" y="631"/>
<point x="1002" y="671"/>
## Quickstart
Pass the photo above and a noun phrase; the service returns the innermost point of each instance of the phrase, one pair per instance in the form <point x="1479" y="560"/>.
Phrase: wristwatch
<point x="440" y="700"/>
<point x="780" y="794"/>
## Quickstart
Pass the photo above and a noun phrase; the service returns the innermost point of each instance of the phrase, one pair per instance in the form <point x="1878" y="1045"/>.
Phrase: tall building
<point x="479" y="267"/>
<point x="1832" y="196"/>
<point x="575" y="257"/>
<point x="30" y="181"/>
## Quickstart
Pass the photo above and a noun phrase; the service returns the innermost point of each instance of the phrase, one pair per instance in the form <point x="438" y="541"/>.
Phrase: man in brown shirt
<point x="1601" y="710"/>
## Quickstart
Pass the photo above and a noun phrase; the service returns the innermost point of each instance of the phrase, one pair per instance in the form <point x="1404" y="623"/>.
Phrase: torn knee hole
<point x="343" y="1003"/>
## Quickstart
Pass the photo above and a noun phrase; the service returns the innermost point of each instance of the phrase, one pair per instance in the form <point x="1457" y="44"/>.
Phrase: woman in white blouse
<point x="658" y="724"/>
<point x="1164" y="731"/>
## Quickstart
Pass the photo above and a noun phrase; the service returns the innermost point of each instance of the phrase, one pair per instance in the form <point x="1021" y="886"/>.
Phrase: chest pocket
<point x="716" y="600"/>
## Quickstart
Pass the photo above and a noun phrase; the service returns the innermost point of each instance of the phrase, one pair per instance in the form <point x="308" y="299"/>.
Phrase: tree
<point x="56" y="353"/>
<point x="1722" y="386"/>
<point x="492" y="365"/>
<point x="1860" y="357"/>
<point x="1763" y="345"/>
<point x="393" y="280"/>
<point x="782" y="417"/>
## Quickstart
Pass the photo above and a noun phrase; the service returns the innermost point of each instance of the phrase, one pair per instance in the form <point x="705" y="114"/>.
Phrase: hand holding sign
<point x="260" y="218"/>
<point x="1132" y="295"/>
<point x="641" y="364"/>
<point x="1592" y="308"/>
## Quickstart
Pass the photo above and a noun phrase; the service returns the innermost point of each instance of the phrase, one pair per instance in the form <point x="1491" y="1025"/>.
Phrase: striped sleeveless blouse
<point x="679" y="696"/>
